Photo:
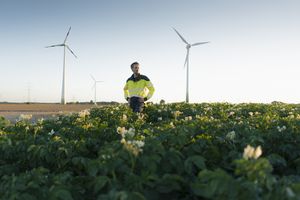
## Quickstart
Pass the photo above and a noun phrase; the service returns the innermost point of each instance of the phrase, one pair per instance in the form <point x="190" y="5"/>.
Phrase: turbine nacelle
<point x="188" y="46"/>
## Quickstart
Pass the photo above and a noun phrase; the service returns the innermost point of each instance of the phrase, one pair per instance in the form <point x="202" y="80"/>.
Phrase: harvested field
<point x="47" y="110"/>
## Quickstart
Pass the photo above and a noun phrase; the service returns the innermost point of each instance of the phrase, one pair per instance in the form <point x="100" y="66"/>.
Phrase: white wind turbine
<point x="63" y="92"/>
<point x="186" y="62"/>
<point x="95" y="87"/>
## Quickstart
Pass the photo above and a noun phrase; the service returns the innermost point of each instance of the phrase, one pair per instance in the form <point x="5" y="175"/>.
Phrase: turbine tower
<point x="186" y="62"/>
<point x="63" y="91"/>
<point x="28" y="92"/>
<point x="95" y="87"/>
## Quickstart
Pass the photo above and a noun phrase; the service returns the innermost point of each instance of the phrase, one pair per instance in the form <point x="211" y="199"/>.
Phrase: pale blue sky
<point x="253" y="55"/>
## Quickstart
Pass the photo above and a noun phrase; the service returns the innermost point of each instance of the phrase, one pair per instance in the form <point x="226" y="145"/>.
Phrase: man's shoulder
<point x="141" y="77"/>
<point x="145" y="78"/>
<point x="130" y="78"/>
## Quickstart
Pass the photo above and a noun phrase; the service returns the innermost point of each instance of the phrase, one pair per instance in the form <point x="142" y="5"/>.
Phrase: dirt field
<point x="12" y="112"/>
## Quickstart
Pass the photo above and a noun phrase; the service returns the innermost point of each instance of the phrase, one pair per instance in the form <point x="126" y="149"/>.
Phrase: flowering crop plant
<point x="173" y="151"/>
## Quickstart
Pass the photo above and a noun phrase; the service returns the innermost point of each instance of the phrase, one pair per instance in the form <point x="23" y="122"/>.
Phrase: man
<point x="138" y="89"/>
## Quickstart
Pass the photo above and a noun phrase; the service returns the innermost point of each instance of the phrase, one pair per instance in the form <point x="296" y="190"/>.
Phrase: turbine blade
<point x="180" y="36"/>
<point x="199" y="43"/>
<point x="56" y="45"/>
<point x="71" y="50"/>
<point x="99" y="81"/>
<point x="186" y="58"/>
<point x="67" y="35"/>
<point x="92" y="77"/>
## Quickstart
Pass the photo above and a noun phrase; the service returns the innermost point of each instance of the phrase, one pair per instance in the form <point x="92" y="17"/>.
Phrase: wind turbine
<point x="186" y="62"/>
<point x="63" y="94"/>
<point x="95" y="87"/>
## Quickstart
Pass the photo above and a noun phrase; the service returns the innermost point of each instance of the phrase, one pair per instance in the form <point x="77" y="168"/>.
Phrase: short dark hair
<point x="135" y="63"/>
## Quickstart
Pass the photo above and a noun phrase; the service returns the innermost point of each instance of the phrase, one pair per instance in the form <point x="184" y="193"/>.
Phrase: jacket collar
<point x="135" y="78"/>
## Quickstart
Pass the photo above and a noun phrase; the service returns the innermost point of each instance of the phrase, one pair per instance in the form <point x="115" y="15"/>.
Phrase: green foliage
<point x="171" y="151"/>
<point x="3" y="122"/>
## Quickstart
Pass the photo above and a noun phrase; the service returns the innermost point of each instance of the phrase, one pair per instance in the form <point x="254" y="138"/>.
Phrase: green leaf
<point x="92" y="168"/>
<point x="213" y="184"/>
<point x="100" y="182"/>
<point x="62" y="194"/>
<point x="27" y="197"/>
<point x="276" y="159"/>
<point x="194" y="163"/>
<point x="136" y="196"/>
<point x="169" y="183"/>
<point x="296" y="188"/>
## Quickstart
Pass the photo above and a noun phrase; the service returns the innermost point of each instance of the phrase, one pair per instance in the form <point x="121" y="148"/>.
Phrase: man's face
<point x="135" y="69"/>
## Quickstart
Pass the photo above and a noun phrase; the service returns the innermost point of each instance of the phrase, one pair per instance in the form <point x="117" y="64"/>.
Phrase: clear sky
<point x="253" y="55"/>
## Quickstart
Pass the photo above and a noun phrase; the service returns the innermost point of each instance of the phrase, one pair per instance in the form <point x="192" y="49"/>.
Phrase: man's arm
<point x="126" y="92"/>
<point x="151" y="89"/>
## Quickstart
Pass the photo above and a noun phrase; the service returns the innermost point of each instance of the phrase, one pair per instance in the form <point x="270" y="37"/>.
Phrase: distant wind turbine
<point x="63" y="92"/>
<point x="95" y="88"/>
<point x="186" y="62"/>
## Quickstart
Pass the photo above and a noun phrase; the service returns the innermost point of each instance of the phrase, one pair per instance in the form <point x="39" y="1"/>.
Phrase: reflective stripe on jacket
<point x="140" y="86"/>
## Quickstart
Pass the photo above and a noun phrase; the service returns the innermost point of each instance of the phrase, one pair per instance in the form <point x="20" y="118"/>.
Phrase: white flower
<point x="51" y="132"/>
<point x="134" y="146"/>
<point x="138" y="143"/>
<point x="121" y="130"/>
<point x="250" y="152"/>
<point x="207" y="108"/>
<point x="250" y="113"/>
<point x="106" y="156"/>
<point x="292" y="116"/>
<point x="177" y="113"/>
<point x="124" y="117"/>
<point x="257" y="152"/>
<point x="172" y="125"/>
<point x="231" y="135"/>
<point x="41" y="120"/>
<point x="159" y="119"/>
<point x="159" y="110"/>
<point x="188" y="118"/>
<point x="130" y="132"/>
<point x="84" y="113"/>
<point x="231" y="113"/>
<point x="25" y="117"/>
<point x="123" y="141"/>
<point x="280" y="129"/>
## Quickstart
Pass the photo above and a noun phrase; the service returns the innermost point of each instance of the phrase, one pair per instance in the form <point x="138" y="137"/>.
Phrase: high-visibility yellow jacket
<point x="140" y="86"/>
